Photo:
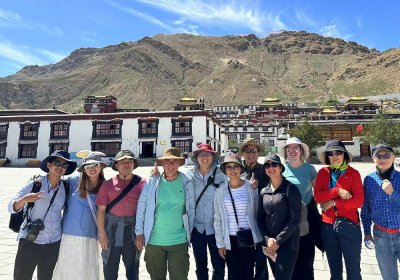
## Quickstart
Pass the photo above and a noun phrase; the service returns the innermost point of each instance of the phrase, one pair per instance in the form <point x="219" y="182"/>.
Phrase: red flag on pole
<point x="360" y="128"/>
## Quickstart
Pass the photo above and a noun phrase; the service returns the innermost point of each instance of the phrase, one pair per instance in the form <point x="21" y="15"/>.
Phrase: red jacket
<point x="350" y="181"/>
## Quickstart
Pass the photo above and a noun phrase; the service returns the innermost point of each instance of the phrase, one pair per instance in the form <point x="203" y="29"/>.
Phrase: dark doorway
<point x="365" y="150"/>
<point x="147" y="149"/>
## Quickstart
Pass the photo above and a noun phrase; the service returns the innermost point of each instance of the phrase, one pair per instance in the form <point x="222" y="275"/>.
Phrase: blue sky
<point x="42" y="32"/>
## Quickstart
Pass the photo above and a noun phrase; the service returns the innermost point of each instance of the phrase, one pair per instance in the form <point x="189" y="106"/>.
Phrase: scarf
<point x="385" y="174"/>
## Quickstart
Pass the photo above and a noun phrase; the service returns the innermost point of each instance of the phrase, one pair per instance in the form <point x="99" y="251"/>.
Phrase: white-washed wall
<point x="80" y="135"/>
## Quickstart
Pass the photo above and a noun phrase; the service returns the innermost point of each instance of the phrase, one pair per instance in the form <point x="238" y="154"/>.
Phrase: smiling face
<point x="92" y="170"/>
<point x="171" y="167"/>
<point x="272" y="169"/>
<point x="233" y="170"/>
<point x="250" y="154"/>
<point x="335" y="157"/>
<point x="125" y="166"/>
<point x="383" y="159"/>
<point x="205" y="159"/>
<point x="57" y="167"/>
<point x="293" y="152"/>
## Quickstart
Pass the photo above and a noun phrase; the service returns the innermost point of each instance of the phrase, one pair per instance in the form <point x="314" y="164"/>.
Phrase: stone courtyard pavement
<point x="12" y="179"/>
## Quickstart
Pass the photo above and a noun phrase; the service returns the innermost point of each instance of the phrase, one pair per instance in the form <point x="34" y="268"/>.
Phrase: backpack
<point x="17" y="219"/>
<point x="303" y="225"/>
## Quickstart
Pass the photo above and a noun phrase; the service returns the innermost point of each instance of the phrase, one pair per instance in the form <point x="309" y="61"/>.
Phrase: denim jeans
<point x="337" y="246"/>
<point x="199" y="243"/>
<point x="387" y="251"/>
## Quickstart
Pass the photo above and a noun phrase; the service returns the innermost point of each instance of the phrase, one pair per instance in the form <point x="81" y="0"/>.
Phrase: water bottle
<point x="369" y="244"/>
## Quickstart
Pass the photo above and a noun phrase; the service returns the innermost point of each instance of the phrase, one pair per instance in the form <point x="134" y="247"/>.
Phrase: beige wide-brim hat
<point x="171" y="153"/>
<point x="334" y="145"/>
<point x="295" y="140"/>
<point x="232" y="158"/>
<point x="250" y="141"/>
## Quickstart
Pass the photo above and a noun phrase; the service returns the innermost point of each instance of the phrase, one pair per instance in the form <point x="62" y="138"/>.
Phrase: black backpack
<point x="17" y="219"/>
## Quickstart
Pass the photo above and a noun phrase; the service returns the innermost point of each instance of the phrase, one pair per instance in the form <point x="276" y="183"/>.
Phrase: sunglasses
<point x="272" y="164"/>
<point x="93" y="165"/>
<point x="232" y="167"/>
<point x="335" y="153"/>
<point x="63" y="165"/>
<point x="251" y="151"/>
<point x="383" y="156"/>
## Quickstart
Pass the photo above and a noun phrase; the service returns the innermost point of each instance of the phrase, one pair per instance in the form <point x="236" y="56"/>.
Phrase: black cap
<point x="274" y="158"/>
<point x="379" y="147"/>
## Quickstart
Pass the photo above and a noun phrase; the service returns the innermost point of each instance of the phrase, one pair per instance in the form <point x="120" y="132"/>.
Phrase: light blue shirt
<point x="78" y="219"/>
<point x="204" y="215"/>
<point x="52" y="223"/>
<point x="302" y="177"/>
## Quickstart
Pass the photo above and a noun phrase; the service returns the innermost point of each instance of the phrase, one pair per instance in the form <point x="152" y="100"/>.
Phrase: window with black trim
<point x="107" y="129"/>
<point x="29" y="131"/>
<point x="109" y="148"/>
<point x="3" y="131"/>
<point x="58" y="146"/>
<point x="148" y="128"/>
<point x="27" y="151"/>
<point x="184" y="145"/>
<point x="59" y="130"/>
<point x="3" y="148"/>
<point x="182" y="127"/>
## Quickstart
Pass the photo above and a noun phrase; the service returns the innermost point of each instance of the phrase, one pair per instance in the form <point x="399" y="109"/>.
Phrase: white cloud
<point x="24" y="55"/>
<point x="11" y="19"/>
<point x="330" y="30"/>
<point x="242" y="14"/>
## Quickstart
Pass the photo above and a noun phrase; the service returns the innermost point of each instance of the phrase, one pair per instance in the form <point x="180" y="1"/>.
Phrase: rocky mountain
<point x="230" y="70"/>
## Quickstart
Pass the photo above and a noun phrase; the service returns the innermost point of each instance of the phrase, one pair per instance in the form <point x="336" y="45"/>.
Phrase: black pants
<point x="130" y="257"/>
<point x="286" y="259"/>
<point x="30" y="255"/>
<point x="261" y="264"/>
<point x="199" y="244"/>
<point x="304" y="268"/>
<point x="240" y="261"/>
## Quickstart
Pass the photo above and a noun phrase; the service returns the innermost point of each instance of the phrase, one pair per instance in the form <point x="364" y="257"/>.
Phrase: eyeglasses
<point x="232" y="167"/>
<point x="272" y="164"/>
<point x="335" y="153"/>
<point x="252" y="151"/>
<point x="63" y="165"/>
<point x="293" y="149"/>
<point x="383" y="156"/>
<point x="93" y="165"/>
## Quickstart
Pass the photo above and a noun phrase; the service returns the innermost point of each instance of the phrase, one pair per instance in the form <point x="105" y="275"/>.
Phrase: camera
<point x="34" y="228"/>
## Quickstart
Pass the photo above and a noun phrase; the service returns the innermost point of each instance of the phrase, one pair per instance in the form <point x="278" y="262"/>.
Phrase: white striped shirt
<point x="240" y="199"/>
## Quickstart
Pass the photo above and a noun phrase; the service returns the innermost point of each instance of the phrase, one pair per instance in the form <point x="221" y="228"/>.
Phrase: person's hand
<point x="368" y="237"/>
<point x="344" y="194"/>
<point x="387" y="187"/>
<point x="154" y="171"/>
<point x="139" y="242"/>
<point x="103" y="240"/>
<point x="222" y="252"/>
<point x="32" y="197"/>
<point x="326" y="205"/>
<point x="253" y="181"/>
<point x="272" y="244"/>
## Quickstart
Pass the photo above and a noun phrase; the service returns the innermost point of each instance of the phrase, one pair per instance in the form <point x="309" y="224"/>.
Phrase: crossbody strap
<point x="210" y="181"/>
<point x="135" y="180"/>
<point x="51" y="202"/>
<point x="92" y="209"/>
<point x="233" y="204"/>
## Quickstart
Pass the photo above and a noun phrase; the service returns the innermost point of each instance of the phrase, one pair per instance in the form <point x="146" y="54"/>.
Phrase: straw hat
<point x="171" y="153"/>
<point x="231" y="158"/>
<point x="250" y="141"/>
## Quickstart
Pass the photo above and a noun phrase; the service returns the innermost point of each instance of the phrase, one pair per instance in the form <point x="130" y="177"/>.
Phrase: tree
<point x="308" y="134"/>
<point x="383" y="130"/>
<point x="330" y="102"/>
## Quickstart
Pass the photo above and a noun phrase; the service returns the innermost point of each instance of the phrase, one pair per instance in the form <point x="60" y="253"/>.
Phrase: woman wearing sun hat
<point x="206" y="177"/>
<point x="338" y="189"/>
<point x="164" y="219"/>
<point x="235" y="207"/>
<point x="79" y="249"/>
<point x="302" y="175"/>
<point x="42" y="252"/>
<point x="278" y="218"/>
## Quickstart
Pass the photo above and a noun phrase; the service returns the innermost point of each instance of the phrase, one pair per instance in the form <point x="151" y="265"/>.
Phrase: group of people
<point x="241" y="213"/>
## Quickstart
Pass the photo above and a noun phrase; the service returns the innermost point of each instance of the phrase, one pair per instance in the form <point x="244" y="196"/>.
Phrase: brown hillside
<point x="155" y="72"/>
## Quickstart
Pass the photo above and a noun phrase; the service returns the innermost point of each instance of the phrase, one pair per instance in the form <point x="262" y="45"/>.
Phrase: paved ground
<point x="12" y="179"/>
